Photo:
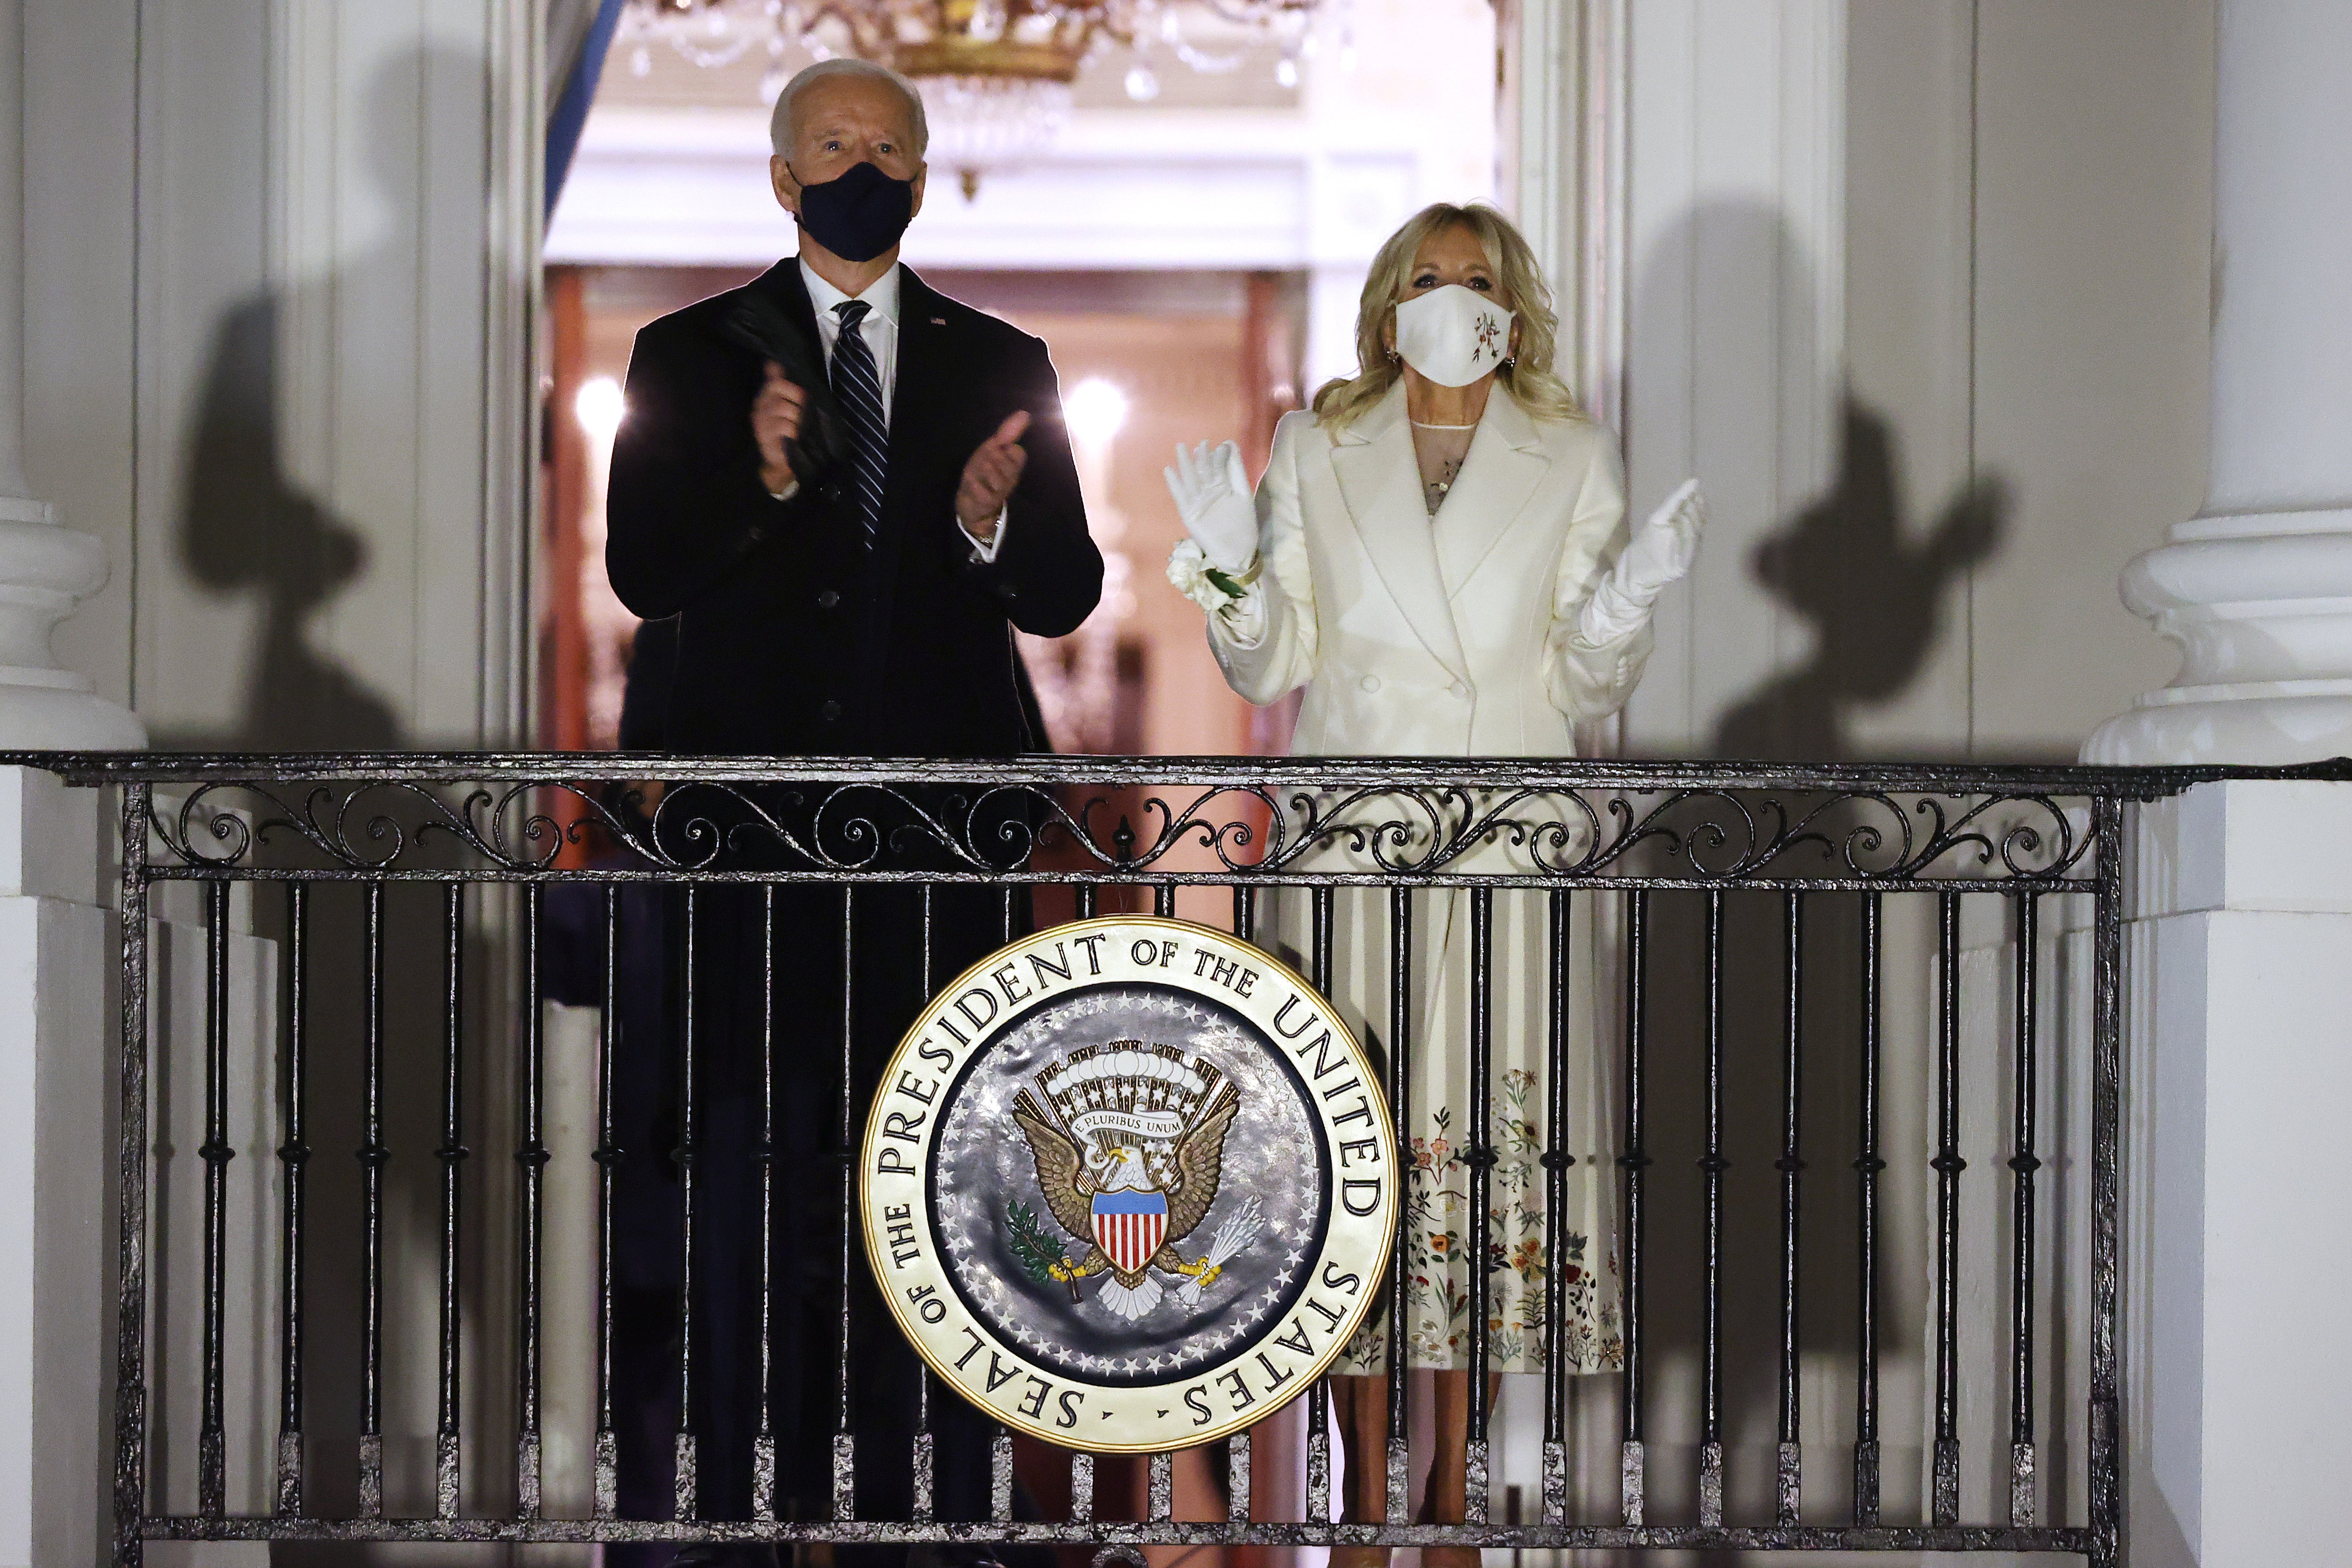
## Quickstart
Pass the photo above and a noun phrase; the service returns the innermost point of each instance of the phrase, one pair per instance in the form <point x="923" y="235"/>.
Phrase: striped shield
<point x="1130" y="1224"/>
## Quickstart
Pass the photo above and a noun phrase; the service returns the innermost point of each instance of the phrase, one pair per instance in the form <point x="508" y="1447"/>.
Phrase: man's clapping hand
<point x="775" y="420"/>
<point x="989" y="476"/>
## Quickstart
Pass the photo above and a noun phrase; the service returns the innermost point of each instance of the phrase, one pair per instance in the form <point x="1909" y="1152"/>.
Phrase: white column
<point x="2238" y="1242"/>
<point x="45" y="570"/>
<point x="2257" y="589"/>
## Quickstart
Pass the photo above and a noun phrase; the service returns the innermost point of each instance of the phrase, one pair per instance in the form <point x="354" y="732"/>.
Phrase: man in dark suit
<point x="849" y="490"/>
<point x="919" y="549"/>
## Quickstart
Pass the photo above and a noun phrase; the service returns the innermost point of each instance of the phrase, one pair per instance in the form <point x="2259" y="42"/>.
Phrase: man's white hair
<point x="780" y="123"/>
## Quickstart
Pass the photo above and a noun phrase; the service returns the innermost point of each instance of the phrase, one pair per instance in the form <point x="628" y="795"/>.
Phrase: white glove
<point x="1659" y="552"/>
<point x="1212" y="497"/>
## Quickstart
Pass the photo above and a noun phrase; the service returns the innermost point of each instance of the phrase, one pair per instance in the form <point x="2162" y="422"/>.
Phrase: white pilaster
<point x="57" y="1316"/>
<point x="2238" y="1240"/>
<point x="45" y="570"/>
<point x="2257" y="589"/>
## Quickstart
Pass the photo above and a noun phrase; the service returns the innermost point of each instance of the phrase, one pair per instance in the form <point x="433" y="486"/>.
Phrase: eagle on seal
<point x="1082" y="1186"/>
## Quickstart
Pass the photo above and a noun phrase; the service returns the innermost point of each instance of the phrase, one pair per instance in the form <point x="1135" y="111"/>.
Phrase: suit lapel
<point x="1505" y="464"/>
<point x="1380" y="483"/>
<point x="782" y="284"/>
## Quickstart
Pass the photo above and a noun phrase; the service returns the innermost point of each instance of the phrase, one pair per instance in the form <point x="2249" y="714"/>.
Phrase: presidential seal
<point x="1128" y="1185"/>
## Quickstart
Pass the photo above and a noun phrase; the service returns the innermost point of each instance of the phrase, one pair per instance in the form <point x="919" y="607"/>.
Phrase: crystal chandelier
<point x="995" y="75"/>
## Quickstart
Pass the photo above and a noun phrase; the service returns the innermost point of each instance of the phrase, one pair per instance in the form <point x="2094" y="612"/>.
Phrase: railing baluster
<point x="1000" y="1447"/>
<point x="1947" y="1166"/>
<point x="608" y="1156"/>
<point x="686" y="1492"/>
<point x="1557" y="1159"/>
<point x="451" y="1154"/>
<point x="1710" y="1450"/>
<point x="763" y="1441"/>
<point x="1791" y="1474"/>
<point x="1237" y="1478"/>
<point x="1082" y="1488"/>
<point x="371" y="1157"/>
<point x="1480" y="1158"/>
<point x="1163" y="900"/>
<point x="925" y="1454"/>
<point x="132" y="1174"/>
<point x="844" y="1443"/>
<point x="1089" y="896"/>
<point x="1632" y="1481"/>
<point x="2105" y="1413"/>
<point x="1319" y="1396"/>
<point x="293" y="1155"/>
<point x="2024" y="1162"/>
<point x="216" y="1153"/>
<point x="999" y="1476"/>
<point x="530" y="1160"/>
<point x="1163" y="1487"/>
<point x="1237" y="1447"/>
<point x="1401" y="1032"/>
<point x="1867" y="1166"/>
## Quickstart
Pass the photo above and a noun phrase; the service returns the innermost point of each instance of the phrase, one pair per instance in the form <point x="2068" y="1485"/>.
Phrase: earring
<point x="1510" y="361"/>
<point x="1393" y="356"/>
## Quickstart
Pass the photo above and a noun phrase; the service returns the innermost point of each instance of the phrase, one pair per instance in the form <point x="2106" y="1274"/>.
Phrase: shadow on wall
<point x="248" y="527"/>
<point x="257" y="528"/>
<point x="1730" y="288"/>
<point x="1851" y="566"/>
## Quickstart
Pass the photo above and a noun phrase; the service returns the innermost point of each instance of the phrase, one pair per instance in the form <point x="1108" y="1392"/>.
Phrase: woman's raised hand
<point x="1659" y="552"/>
<point x="1663" y="548"/>
<point x="1212" y="497"/>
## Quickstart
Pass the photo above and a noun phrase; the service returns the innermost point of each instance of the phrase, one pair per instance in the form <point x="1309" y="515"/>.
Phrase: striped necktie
<point x="857" y="391"/>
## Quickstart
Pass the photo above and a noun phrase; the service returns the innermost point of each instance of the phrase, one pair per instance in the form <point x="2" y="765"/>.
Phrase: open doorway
<point x="1191" y="244"/>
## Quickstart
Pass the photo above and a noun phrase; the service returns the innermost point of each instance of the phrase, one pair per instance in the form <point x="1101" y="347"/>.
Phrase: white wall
<point x="1989" y="221"/>
<point x="278" y="267"/>
<point x="280" y="263"/>
<point x="56" y="1287"/>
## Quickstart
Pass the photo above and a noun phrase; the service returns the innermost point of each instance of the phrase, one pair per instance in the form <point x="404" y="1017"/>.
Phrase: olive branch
<point x="1036" y="1252"/>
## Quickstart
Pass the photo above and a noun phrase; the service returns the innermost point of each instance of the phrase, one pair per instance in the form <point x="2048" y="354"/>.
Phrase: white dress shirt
<point x="880" y="326"/>
<point x="880" y="330"/>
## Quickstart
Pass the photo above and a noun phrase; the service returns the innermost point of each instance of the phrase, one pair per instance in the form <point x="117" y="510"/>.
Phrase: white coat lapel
<point x="1504" y="465"/>
<point x="1381" y="486"/>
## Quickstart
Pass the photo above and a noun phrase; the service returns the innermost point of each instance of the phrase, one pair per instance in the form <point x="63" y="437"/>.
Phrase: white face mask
<point x="1453" y="336"/>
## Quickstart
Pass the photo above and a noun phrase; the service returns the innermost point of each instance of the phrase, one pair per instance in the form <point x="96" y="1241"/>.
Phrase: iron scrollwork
<point x="1029" y="825"/>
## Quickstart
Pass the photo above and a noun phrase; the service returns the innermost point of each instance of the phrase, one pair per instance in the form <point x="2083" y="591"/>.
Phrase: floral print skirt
<point x="1444" y="1239"/>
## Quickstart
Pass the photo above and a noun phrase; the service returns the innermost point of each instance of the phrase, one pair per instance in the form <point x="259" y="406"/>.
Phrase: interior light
<point x="1095" y="409"/>
<point x="598" y="405"/>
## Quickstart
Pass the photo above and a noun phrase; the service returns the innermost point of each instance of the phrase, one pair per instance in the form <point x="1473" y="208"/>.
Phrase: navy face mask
<point x="859" y="214"/>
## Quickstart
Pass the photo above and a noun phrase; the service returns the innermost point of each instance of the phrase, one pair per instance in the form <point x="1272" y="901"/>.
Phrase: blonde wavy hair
<point x="1528" y="375"/>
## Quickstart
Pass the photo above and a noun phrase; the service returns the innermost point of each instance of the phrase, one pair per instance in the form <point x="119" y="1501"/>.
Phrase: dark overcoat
<point x="794" y="639"/>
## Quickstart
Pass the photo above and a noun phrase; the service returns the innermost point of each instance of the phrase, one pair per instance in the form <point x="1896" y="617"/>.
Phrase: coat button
<point x="832" y="709"/>
<point x="1370" y="683"/>
<point x="828" y="599"/>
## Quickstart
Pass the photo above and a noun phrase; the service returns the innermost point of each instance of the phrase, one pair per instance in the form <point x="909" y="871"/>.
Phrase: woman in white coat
<point x="1438" y="555"/>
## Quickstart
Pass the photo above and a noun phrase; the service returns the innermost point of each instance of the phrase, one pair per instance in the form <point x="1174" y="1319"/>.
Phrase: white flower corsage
<point x="1211" y="587"/>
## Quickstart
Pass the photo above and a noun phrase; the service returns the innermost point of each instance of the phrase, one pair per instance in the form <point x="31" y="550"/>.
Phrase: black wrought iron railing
<point x="359" y="1348"/>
